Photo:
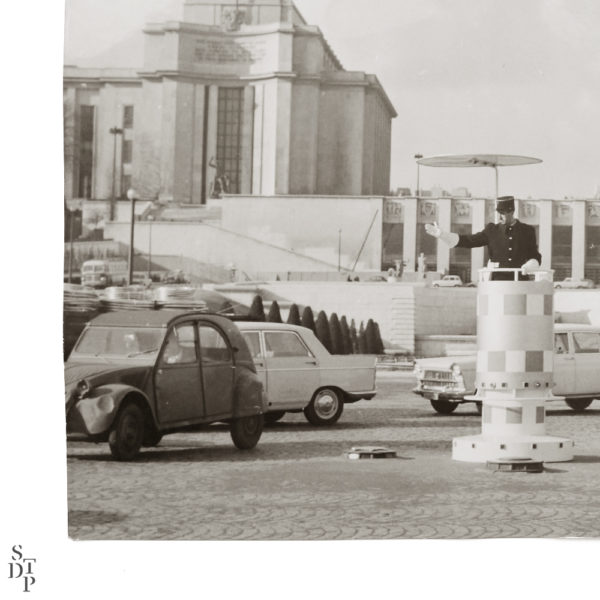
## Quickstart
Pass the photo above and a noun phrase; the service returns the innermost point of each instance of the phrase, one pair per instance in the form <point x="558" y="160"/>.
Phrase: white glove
<point x="530" y="266"/>
<point x="451" y="239"/>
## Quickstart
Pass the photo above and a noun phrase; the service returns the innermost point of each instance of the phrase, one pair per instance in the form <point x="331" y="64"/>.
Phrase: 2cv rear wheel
<point x="127" y="432"/>
<point x="246" y="431"/>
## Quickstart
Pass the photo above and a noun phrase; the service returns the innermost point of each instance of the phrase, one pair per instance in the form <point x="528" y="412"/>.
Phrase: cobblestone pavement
<point x="298" y="484"/>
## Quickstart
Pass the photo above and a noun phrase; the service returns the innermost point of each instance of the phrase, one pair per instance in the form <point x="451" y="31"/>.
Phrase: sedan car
<point x="574" y="283"/>
<point x="136" y="375"/>
<point x="299" y="374"/>
<point x="447" y="381"/>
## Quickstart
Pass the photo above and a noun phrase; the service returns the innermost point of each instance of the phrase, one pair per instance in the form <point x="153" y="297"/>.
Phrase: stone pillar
<point x="409" y="238"/>
<point x="545" y="241"/>
<point x="211" y="136"/>
<point x="578" y="240"/>
<point x="478" y="224"/>
<point x="445" y="224"/>
<point x="283" y="133"/>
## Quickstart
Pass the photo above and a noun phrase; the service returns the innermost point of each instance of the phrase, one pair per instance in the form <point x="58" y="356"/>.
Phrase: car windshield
<point x="119" y="342"/>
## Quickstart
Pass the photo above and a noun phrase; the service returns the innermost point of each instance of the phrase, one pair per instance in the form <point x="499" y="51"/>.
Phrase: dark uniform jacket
<point x="510" y="246"/>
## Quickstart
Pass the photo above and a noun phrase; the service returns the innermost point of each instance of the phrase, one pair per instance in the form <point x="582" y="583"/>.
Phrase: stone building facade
<point x="241" y="98"/>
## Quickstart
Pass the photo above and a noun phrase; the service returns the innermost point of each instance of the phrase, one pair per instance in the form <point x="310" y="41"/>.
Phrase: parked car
<point x="571" y="282"/>
<point x="448" y="281"/>
<point x="299" y="374"/>
<point x="445" y="381"/>
<point x="134" y="376"/>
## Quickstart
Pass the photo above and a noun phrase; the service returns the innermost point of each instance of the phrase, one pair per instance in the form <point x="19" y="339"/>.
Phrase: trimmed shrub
<point x="257" y="310"/>
<point x="294" y="315"/>
<point x="353" y="337"/>
<point x="308" y="319"/>
<point x="371" y="337"/>
<point x="335" y="331"/>
<point x="274" y="315"/>
<point x="346" y="340"/>
<point x="361" y="341"/>
<point x="379" y="342"/>
<point x="322" y="330"/>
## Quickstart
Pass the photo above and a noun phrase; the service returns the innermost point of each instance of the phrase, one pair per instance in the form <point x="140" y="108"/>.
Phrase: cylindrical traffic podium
<point x="514" y="379"/>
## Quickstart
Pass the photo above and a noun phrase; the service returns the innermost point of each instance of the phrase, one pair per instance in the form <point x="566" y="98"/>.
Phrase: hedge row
<point x="334" y="333"/>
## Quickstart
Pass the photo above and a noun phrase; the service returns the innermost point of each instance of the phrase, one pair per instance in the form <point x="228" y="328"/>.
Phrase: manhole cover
<point x="370" y="452"/>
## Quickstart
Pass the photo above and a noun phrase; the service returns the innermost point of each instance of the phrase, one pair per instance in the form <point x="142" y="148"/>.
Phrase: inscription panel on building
<point x="427" y="212"/>
<point x="392" y="211"/>
<point x="229" y="50"/>
<point x="593" y="213"/>
<point x="562" y="214"/>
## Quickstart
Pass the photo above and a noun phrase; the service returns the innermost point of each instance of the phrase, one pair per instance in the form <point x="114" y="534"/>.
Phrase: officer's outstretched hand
<point x="433" y="229"/>
<point x="530" y="266"/>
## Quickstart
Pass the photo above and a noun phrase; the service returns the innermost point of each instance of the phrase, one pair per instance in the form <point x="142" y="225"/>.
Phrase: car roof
<point x="562" y="327"/>
<point x="148" y="318"/>
<point x="266" y="325"/>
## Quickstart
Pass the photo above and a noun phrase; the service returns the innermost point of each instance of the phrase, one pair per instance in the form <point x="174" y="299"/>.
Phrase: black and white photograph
<point x="329" y="317"/>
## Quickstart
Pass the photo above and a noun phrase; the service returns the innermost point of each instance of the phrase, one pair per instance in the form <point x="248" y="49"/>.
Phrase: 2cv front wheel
<point x="127" y="432"/>
<point x="246" y="431"/>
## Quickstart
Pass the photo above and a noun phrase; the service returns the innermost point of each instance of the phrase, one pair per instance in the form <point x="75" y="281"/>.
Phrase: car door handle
<point x="310" y="362"/>
<point x="569" y="358"/>
<point x="259" y="364"/>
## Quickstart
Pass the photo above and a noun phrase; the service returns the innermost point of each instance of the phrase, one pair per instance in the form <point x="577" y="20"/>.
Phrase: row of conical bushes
<point x="336" y="334"/>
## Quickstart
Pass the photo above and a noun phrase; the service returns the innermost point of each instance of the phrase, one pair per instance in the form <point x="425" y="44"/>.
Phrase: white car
<point x="570" y="282"/>
<point x="445" y="381"/>
<point x="448" y="281"/>
<point x="300" y="375"/>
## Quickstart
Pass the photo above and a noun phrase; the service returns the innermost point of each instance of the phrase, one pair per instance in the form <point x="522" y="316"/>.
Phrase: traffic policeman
<point x="511" y="244"/>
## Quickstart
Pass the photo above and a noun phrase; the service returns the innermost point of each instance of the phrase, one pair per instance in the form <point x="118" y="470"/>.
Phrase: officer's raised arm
<point x="449" y="238"/>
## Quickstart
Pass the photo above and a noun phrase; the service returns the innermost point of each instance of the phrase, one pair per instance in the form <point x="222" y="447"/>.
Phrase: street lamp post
<point x="132" y="198"/>
<point x="417" y="157"/>
<point x="150" y="219"/>
<point x="115" y="131"/>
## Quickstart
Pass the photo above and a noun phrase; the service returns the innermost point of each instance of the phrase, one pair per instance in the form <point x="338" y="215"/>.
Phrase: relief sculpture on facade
<point x="232" y="18"/>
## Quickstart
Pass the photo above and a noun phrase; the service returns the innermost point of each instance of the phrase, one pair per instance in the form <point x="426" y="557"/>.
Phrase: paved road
<point x="298" y="483"/>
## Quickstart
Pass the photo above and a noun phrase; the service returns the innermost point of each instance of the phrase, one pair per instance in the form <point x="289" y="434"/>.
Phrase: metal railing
<point x="485" y="274"/>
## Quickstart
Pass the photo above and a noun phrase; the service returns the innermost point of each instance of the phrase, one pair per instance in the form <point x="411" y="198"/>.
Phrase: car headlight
<point x="82" y="389"/>
<point x="418" y="371"/>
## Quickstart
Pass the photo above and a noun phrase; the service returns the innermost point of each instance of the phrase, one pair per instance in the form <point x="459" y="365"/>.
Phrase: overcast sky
<point x="465" y="76"/>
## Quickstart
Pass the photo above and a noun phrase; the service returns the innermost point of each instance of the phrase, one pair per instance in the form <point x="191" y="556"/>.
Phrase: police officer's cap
<point x="505" y="204"/>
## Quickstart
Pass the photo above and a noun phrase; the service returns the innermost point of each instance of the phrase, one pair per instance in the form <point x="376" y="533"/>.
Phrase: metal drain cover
<point x="370" y="452"/>
<point x="520" y="465"/>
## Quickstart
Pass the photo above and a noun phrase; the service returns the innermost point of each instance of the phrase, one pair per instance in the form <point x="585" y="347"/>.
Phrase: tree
<point x="322" y="330"/>
<point x="361" y="341"/>
<point x="335" y="331"/>
<point x="308" y="319"/>
<point x="294" y="315"/>
<point x="371" y="337"/>
<point x="354" y="337"/>
<point x="257" y="311"/>
<point x="379" y="342"/>
<point x="274" y="315"/>
<point x="346" y="340"/>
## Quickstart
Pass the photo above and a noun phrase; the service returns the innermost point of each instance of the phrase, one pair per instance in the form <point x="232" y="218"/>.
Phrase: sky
<point x="465" y="76"/>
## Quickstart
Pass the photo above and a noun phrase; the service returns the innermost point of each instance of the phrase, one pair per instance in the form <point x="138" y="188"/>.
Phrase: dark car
<point x="134" y="376"/>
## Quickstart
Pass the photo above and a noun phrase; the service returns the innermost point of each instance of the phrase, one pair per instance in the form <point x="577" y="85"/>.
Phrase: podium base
<point x="480" y="448"/>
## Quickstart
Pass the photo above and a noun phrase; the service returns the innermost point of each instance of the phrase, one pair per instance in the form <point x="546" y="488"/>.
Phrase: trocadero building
<point x="243" y="109"/>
